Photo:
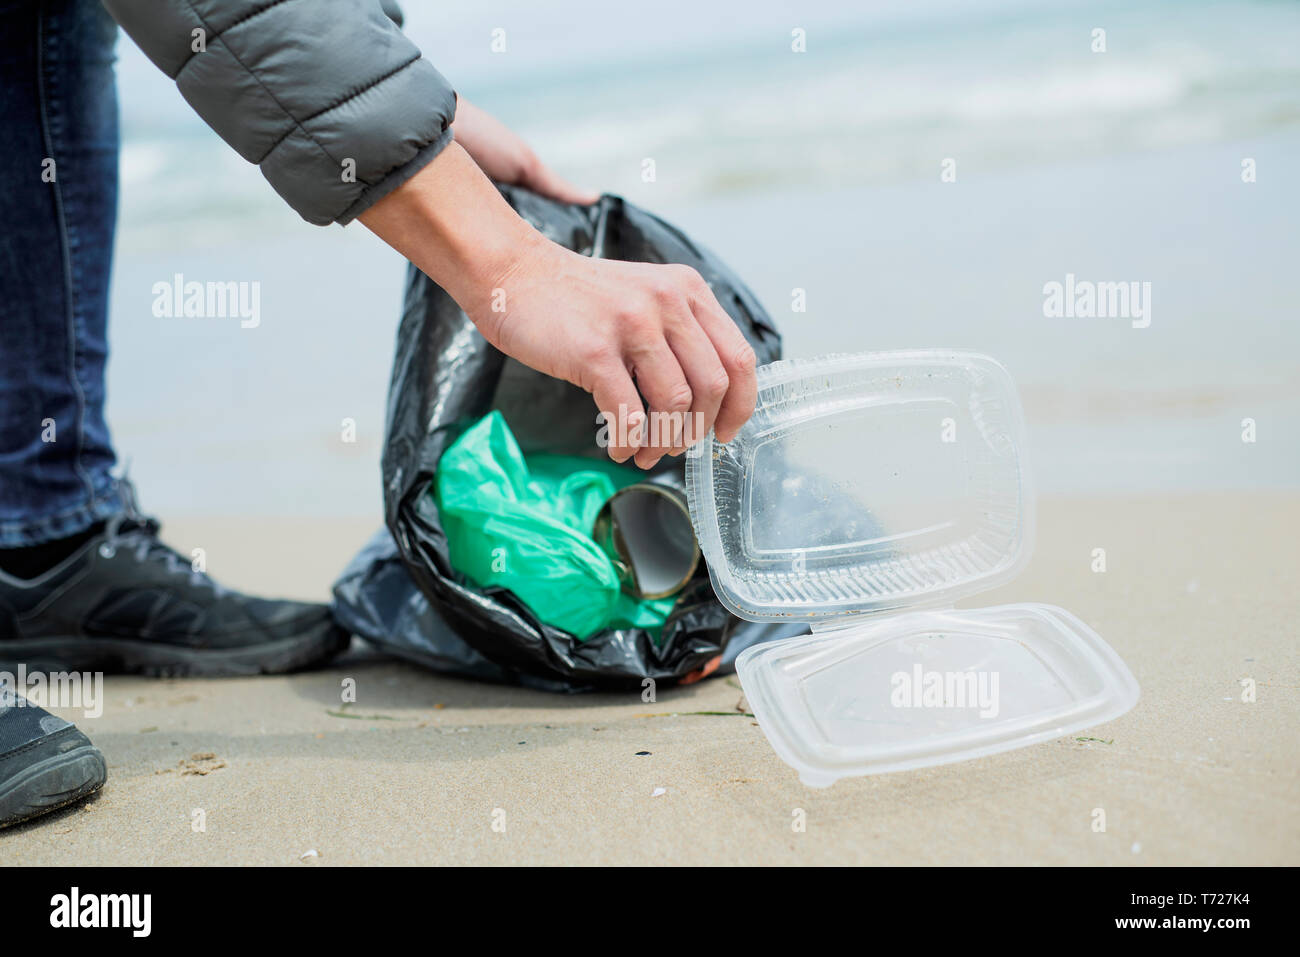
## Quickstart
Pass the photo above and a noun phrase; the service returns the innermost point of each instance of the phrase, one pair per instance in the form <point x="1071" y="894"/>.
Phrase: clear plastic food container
<point x="867" y="493"/>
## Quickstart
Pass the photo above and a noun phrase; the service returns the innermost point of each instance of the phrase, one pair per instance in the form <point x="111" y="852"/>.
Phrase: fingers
<point x="664" y="385"/>
<point x="737" y="358"/>
<point x="705" y="375"/>
<point x="689" y="361"/>
<point x="541" y="179"/>
<point x="623" y="413"/>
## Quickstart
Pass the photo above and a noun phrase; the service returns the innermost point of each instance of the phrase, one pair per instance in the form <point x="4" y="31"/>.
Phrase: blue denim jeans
<point x="58" y="211"/>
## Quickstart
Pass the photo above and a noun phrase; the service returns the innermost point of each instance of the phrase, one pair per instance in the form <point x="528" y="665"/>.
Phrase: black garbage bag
<point x="446" y="376"/>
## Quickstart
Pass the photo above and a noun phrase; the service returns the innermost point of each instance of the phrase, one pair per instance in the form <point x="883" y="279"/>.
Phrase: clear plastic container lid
<point x="866" y="482"/>
<point x="863" y="485"/>
<point x="921" y="688"/>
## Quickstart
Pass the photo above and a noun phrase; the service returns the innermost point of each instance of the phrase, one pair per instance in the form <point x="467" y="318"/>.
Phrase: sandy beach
<point x="1199" y="594"/>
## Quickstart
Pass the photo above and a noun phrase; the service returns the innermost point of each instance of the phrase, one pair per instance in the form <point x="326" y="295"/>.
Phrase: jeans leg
<point x="58" y="211"/>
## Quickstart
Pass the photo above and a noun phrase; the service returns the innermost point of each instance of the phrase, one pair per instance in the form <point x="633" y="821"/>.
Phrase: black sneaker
<point x="126" y="603"/>
<point x="45" y="763"/>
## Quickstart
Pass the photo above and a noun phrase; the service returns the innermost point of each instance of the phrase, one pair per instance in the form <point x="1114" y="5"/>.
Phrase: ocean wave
<point x="867" y="107"/>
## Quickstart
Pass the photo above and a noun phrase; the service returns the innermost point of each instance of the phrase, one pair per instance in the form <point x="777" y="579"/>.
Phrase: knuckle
<point x="743" y="359"/>
<point x="597" y="360"/>
<point x="635" y="320"/>
<point x="686" y="283"/>
<point x="679" y="398"/>
<point x="599" y="352"/>
<point x="719" y="383"/>
<point x="665" y="294"/>
<point x="687" y="275"/>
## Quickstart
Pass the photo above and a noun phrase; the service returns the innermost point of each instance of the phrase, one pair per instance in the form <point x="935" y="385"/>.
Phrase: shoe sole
<point x="52" y="782"/>
<point x="162" y="660"/>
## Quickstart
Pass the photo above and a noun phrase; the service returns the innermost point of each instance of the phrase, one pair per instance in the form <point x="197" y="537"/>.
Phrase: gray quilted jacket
<point x="328" y="97"/>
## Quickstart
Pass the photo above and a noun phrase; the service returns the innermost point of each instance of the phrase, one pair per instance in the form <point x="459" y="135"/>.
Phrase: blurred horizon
<point x="878" y="97"/>
<point x="816" y="170"/>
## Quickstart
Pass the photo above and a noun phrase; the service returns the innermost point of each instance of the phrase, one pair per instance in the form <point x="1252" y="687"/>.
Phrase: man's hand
<point x="504" y="157"/>
<point x="606" y="326"/>
<point x="610" y="326"/>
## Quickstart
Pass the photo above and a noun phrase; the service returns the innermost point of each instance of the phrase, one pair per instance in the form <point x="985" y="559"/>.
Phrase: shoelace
<point x="132" y="529"/>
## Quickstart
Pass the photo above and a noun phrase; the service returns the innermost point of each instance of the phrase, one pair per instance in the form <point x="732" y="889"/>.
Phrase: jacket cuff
<point x="373" y="194"/>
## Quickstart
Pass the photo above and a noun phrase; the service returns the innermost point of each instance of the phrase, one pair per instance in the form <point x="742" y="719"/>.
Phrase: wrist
<point x="453" y="224"/>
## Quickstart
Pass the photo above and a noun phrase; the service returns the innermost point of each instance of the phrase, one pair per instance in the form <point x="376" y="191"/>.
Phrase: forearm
<point x="452" y="223"/>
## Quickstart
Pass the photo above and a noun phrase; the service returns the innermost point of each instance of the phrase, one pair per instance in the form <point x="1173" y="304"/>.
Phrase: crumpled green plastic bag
<point x="525" y="525"/>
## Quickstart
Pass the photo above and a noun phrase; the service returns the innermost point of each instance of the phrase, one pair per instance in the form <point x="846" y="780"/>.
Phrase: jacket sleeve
<point x="328" y="97"/>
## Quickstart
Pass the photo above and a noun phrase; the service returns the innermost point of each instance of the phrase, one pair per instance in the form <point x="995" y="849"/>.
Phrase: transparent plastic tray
<point x="923" y="688"/>
<point x="863" y="483"/>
